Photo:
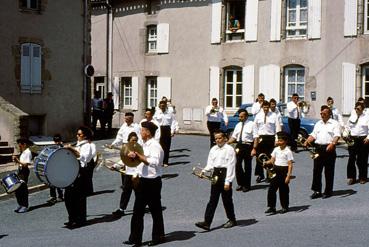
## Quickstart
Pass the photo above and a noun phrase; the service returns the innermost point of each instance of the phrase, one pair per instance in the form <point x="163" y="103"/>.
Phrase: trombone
<point x="208" y="175"/>
<point x="300" y="141"/>
<point x="263" y="158"/>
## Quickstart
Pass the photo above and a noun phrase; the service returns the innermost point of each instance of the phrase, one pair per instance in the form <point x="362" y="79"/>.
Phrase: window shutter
<point x="248" y="84"/>
<point x="25" y="68"/>
<point x="116" y="92"/>
<point x="269" y="81"/>
<point x="275" y="20"/>
<point x="163" y="38"/>
<point x="134" y="93"/>
<point x="314" y="19"/>
<point x="35" y="68"/>
<point x="214" y="83"/>
<point x="216" y="13"/>
<point x="348" y="87"/>
<point x="251" y="20"/>
<point x="164" y="87"/>
<point x="350" y="23"/>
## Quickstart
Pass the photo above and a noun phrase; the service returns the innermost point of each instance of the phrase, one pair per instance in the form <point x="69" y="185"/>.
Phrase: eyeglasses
<point x="79" y="134"/>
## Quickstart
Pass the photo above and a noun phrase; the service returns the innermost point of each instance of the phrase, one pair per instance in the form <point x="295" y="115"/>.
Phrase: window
<point x="127" y="91"/>
<point x="235" y="24"/>
<point x="152" y="92"/>
<point x="366" y="17"/>
<point x="233" y="88"/>
<point x="29" y="4"/>
<point x="152" y="38"/>
<point x="152" y="6"/>
<point x="294" y="82"/>
<point x="297" y="18"/>
<point x="30" y="68"/>
<point x="365" y="76"/>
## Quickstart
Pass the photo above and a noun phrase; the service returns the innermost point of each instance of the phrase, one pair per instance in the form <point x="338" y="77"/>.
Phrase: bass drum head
<point x="14" y="187"/>
<point x="62" y="168"/>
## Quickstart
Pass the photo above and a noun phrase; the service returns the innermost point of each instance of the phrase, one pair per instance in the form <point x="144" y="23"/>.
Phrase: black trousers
<point x="265" y="146"/>
<point x="75" y="198"/>
<point x="358" y="153"/>
<point x="21" y="193"/>
<point x="294" y="125"/>
<point x="212" y="127"/>
<point x="243" y="174"/>
<point x="165" y="142"/>
<point x="89" y="170"/>
<point x="96" y="115"/>
<point x="147" y="193"/>
<point x="126" y="191"/>
<point x="278" y="182"/>
<point x="326" y="161"/>
<point x="53" y="191"/>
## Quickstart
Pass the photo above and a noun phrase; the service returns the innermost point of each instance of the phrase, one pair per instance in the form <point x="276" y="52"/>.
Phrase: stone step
<point x="6" y="158"/>
<point x="3" y="143"/>
<point x="6" y="150"/>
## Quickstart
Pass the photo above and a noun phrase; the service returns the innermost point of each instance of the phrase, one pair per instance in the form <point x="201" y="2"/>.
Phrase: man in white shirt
<point x="244" y="134"/>
<point x="222" y="159"/>
<point x="256" y="107"/>
<point x="215" y="114"/>
<point x="336" y="115"/>
<point x="149" y="191"/>
<point x="149" y="113"/>
<point x="294" y="115"/>
<point x="358" y="125"/>
<point x="326" y="133"/>
<point x="274" y="108"/>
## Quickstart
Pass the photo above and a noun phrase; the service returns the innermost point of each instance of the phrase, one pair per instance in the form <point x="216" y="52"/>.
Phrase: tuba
<point x="208" y="175"/>
<point x="262" y="158"/>
<point x="304" y="106"/>
<point x="300" y="141"/>
<point x="346" y="136"/>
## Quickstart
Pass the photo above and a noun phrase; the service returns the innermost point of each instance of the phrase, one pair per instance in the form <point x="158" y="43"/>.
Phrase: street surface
<point x="342" y="220"/>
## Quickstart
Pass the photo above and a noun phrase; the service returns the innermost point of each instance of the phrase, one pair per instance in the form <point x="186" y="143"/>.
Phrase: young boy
<point x="52" y="199"/>
<point x="282" y="160"/>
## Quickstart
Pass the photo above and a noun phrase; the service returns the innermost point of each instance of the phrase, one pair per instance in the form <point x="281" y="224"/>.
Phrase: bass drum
<point x="56" y="166"/>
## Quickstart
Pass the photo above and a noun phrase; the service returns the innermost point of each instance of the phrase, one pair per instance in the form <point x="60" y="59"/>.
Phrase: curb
<point x="32" y="189"/>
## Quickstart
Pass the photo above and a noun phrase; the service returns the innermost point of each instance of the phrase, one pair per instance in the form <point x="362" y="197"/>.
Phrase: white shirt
<point x="358" y="127"/>
<point x="248" y="132"/>
<point x="123" y="133"/>
<point x="216" y="116"/>
<point x="256" y="107"/>
<point x="157" y="133"/>
<point x="222" y="157"/>
<point x="154" y="155"/>
<point x="272" y="125"/>
<point x="324" y="133"/>
<point x="293" y="110"/>
<point x="26" y="156"/>
<point x="337" y="116"/>
<point x="85" y="150"/>
<point x="165" y="119"/>
<point x="279" y="115"/>
<point x="282" y="156"/>
<point x="94" y="151"/>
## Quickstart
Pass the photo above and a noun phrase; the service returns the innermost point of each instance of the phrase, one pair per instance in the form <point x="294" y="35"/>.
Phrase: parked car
<point x="306" y="126"/>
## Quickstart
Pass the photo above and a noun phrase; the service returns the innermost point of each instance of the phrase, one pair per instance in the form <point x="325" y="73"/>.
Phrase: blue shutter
<point x="35" y="68"/>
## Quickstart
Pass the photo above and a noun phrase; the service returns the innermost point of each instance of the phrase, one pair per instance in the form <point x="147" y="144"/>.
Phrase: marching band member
<point x="282" y="159"/>
<point x="23" y="162"/>
<point x="222" y="159"/>
<point x="244" y="134"/>
<point x="75" y="195"/>
<point x="267" y="125"/>
<point x="58" y="141"/>
<point x="215" y="114"/>
<point x="274" y="108"/>
<point x="358" y="125"/>
<point x="256" y="107"/>
<point x="336" y="115"/>
<point x="326" y="133"/>
<point x="149" y="188"/>
<point x="149" y="113"/>
<point x="294" y="115"/>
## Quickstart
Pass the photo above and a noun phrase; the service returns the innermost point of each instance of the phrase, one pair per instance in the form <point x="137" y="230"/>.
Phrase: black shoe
<point x="69" y="223"/>
<point x="326" y="195"/>
<point x="245" y="189"/>
<point x="270" y="211"/>
<point x="284" y="210"/>
<point x="259" y="179"/>
<point x="156" y="241"/>
<point x="128" y="242"/>
<point x="239" y="188"/>
<point x="119" y="212"/>
<point x="230" y="223"/>
<point x="203" y="225"/>
<point x="316" y="195"/>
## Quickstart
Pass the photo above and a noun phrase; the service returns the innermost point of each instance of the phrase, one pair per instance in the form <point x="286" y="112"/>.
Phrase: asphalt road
<point x="341" y="220"/>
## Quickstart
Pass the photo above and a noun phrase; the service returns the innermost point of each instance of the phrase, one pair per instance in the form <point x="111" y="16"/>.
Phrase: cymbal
<point x="129" y="147"/>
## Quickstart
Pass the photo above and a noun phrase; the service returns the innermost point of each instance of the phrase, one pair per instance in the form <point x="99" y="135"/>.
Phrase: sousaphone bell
<point x="126" y="149"/>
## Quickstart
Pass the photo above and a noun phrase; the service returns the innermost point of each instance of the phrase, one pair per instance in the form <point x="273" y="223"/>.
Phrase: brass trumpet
<point x="304" y="106"/>
<point x="301" y="141"/>
<point x="346" y="136"/>
<point x="262" y="158"/>
<point x="208" y="175"/>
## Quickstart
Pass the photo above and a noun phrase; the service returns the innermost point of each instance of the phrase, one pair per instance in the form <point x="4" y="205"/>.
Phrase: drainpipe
<point x="86" y="102"/>
<point x="109" y="58"/>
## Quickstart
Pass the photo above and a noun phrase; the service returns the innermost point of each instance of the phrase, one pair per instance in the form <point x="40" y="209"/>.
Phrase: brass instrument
<point x="301" y="141"/>
<point x="346" y="136"/>
<point x="304" y="106"/>
<point x="214" y="110"/>
<point x="262" y="158"/>
<point x="208" y="175"/>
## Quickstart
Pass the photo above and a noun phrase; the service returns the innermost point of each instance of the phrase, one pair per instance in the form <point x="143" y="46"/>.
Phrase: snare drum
<point x="11" y="182"/>
<point x="56" y="166"/>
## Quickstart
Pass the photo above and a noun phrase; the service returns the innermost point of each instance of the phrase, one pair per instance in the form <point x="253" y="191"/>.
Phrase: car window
<point x="248" y="109"/>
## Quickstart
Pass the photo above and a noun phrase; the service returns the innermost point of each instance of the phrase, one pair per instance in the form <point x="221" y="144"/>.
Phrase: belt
<point x="321" y="146"/>
<point x="246" y="143"/>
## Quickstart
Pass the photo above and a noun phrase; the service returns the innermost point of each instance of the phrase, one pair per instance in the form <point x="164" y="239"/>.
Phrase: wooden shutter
<point x="251" y="20"/>
<point x="164" y="87"/>
<point x="216" y="17"/>
<point x="214" y="83"/>
<point x="163" y="38"/>
<point x="275" y="20"/>
<point x="348" y="87"/>
<point x="26" y="68"/>
<point x="134" y="93"/>
<point x="116" y="92"/>
<point x="350" y="23"/>
<point x="314" y="19"/>
<point x="269" y="81"/>
<point x="35" y="68"/>
<point x="248" y="84"/>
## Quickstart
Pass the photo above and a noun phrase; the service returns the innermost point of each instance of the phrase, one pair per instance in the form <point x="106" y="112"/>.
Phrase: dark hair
<point x="216" y="132"/>
<point x="243" y="110"/>
<point x="329" y="98"/>
<point x="272" y="100"/>
<point x="87" y="132"/>
<point x="162" y="102"/>
<point x="129" y="114"/>
<point x="360" y="99"/>
<point x="323" y="107"/>
<point x="295" y="94"/>
<point x="214" y="99"/>
<point x="57" y="138"/>
<point x="132" y="134"/>
<point x="152" y="110"/>
<point x="360" y="104"/>
<point x="282" y="135"/>
<point x="150" y="126"/>
<point x="24" y="140"/>
<point x="265" y="103"/>
<point x="110" y="94"/>
<point x="261" y="94"/>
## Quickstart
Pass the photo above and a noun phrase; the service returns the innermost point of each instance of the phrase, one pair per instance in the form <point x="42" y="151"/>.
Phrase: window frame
<point x="229" y="35"/>
<point x="28" y="5"/>
<point x="126" y="86"/>
<point x="366" y="17"/>
<point x="235" y="83"/>
<point x="152" y="39"/>
<point x="287" y="97"/>
<point x="298" y="27"/>
<point x="365" y="69"/>
<point x="152" y="92"/>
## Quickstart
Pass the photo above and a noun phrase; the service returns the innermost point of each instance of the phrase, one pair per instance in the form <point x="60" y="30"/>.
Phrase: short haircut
<point x="360" y="99"/>
<point x="24" y="140"/>
<point x="295" y="94"/>
<point x="162" y="102"/>
<point x="87" y="132"/>
<point x="152" y="110"/>
<point x="261" y="95"/>
<point x="57" y="138"/>
<point x="214" y="99"/>
<point x="132" y="134"/>
<point x="283" y="136"/>
<point x="323" y="107"/>
<point x="360" y="104"/>
<point x="329" y="98"/>
<point x="265" y="103"/>
<point x="129" y="114"/>
<point x="272" y="100"/>
<point x="243" y="110"/>
<point x="216" y="132"/>
<point x="150" y="126"/>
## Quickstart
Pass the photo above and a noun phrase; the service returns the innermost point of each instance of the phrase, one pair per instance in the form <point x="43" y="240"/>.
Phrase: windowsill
<point x="235" y="41"/>
<point x="31" y="11"/>
<point x="151" y="53"/>
<point x="297" y="38"/>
